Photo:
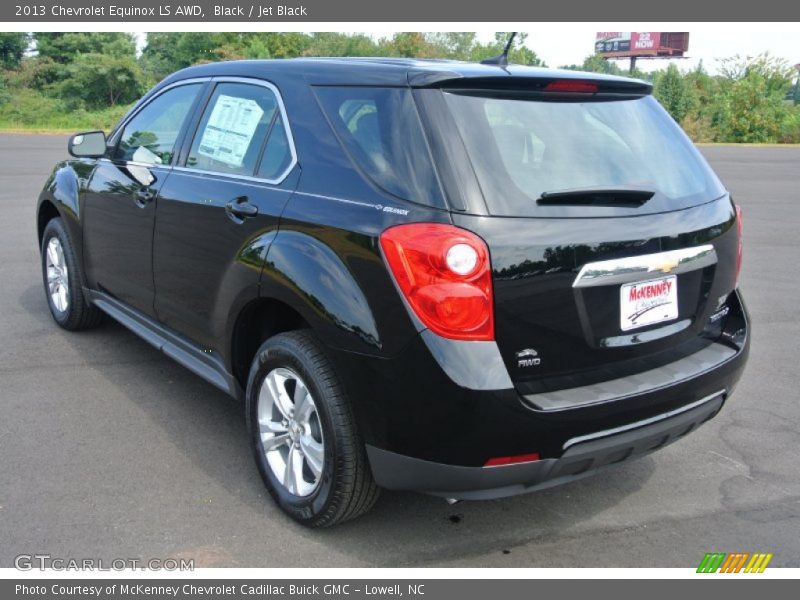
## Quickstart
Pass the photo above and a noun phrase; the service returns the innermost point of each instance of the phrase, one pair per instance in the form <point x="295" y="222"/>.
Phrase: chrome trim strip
<point x="354" y="202"/>
<point x="136" y="163"/>
<point x="647" y="266"/>
<point x="245" y="178"/>
<point x="644" y="422"/>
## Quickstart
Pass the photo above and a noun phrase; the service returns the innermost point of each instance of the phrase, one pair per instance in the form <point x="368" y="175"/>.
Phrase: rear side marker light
<point x="512" y="460"/>
<point x="444" y="273"/>
<point x="739" y="231"/>
<point x="569" y="85"/>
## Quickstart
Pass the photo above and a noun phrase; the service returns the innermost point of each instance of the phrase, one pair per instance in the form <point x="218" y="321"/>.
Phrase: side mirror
<point x="91" y="144"/>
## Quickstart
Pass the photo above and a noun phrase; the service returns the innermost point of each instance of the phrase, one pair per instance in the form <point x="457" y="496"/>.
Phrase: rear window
<point x="381" y="131"/>
<point x="523" y="148"/>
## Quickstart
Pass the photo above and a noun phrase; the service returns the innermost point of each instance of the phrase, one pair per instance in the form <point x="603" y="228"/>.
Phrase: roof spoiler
<point x="557" y="84"/>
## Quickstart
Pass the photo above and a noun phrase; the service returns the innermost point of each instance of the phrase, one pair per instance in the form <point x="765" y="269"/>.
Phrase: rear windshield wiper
<point x="623" y="197"/>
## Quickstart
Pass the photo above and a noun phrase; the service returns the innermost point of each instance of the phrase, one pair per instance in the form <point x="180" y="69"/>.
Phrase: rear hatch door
<point x="612" y="242"/>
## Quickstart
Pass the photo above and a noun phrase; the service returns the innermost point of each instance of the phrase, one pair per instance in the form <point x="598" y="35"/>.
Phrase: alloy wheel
<point x="290" y="431"/>
<point x="57" y="275"/>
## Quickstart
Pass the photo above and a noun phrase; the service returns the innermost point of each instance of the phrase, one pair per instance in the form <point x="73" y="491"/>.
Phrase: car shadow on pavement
<point x="206" y="429"/>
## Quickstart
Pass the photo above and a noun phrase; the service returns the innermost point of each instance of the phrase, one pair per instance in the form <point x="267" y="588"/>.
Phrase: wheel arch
<point x="46" y="213"/>
<point x="60" y="199"/>
<point x="256" y="322"/>
<point x="307" y="273"/>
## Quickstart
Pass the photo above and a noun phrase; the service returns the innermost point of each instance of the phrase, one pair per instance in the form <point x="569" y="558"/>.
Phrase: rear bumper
<point x="582" y="457"/>
<point x="424" y="432"/>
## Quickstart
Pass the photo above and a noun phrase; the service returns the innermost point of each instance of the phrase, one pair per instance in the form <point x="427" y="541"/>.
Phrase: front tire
<point x="62" y="279"/>
<point x="306" y="444"/>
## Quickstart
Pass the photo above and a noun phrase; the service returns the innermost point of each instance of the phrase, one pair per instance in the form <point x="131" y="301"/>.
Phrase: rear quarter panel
<point x="326" y="258"/>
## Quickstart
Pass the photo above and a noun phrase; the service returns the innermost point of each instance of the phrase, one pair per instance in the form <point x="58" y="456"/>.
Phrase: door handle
<point x="143" y="196"/>
<point x="240" y="208"/>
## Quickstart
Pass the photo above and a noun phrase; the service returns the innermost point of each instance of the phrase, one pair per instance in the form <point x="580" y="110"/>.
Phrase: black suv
<point x="460" y="279"/>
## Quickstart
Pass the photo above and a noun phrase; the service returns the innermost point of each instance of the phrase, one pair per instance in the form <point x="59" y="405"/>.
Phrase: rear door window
<point x="241" y="132"/>
<point x="380" y="129"/>
<point x="277" y="154"/>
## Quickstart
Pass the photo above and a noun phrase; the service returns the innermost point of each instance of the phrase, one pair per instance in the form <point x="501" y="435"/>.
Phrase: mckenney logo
<point x="736" y="562"/>
<point x="653" y="290"/>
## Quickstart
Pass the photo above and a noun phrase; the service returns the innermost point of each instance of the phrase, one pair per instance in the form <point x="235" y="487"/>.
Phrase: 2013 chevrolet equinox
<point x="460" y="279"/>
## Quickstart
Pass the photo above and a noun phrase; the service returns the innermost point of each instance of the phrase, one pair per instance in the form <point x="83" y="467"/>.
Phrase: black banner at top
<point x="455" y="11"/>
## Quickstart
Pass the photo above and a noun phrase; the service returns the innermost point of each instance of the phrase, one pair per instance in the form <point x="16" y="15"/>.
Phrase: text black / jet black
<point x="460" y="279"/>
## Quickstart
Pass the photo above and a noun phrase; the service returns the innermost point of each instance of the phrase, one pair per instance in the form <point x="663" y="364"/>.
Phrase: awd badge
<point x="528" y="358"/>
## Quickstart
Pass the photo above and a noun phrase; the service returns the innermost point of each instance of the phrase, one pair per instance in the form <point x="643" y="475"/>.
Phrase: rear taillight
<point x="739" y="229"/>
<point x="445" y="275"/>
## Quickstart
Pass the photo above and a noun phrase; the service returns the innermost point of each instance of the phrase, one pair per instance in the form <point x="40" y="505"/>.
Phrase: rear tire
<point x="62" y="277"/>
<point x="300" y="419"/>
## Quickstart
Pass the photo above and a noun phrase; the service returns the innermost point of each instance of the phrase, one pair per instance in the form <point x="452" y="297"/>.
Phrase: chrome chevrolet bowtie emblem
<point x="667" y="266"/>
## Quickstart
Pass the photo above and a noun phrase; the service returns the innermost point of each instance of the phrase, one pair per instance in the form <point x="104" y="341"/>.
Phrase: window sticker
<point x="230" y="129"/>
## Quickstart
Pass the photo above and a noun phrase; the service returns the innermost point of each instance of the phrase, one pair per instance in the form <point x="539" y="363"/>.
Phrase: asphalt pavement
<point x="109" y="449"/>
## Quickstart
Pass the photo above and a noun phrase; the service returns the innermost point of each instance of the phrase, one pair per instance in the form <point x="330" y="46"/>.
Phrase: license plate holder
<point x="644" y="303"/>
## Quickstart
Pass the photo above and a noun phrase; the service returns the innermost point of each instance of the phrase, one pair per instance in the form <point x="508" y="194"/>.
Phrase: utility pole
<point x="796" y="95"/>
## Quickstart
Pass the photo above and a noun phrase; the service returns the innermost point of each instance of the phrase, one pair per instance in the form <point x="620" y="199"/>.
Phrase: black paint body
<point x="183" y="264"/>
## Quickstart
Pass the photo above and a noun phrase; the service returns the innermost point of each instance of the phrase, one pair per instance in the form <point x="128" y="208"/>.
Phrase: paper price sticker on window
<point x="230" y="129"/>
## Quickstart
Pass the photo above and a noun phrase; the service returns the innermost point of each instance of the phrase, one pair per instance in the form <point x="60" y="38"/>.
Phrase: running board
<point x="205" y="364"/>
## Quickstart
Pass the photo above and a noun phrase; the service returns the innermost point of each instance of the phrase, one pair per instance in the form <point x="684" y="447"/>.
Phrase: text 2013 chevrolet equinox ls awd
<point x="460" y="279"/>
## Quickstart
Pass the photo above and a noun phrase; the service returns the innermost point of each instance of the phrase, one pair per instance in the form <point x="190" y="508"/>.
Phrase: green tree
<point x="168" y="52"/>
<point x="99" y="80"/>
<point x="454" y="45"/>
<point x="776" y="72"/>
<point x="520" y="54"/>
<point x="341" y="44"/>
<point x="749" y="104"/>
<point x="5" y="95"/>
<point x="410" y="44"/>
<point x="671" y="90"/>
<point x="12" y="48"/>
<point x="751" y="111"/>
<point x="594" y="63"/>
<point x="63" y="48"/>
<point x="39" y="73"/>
<point x="703" y="93"/>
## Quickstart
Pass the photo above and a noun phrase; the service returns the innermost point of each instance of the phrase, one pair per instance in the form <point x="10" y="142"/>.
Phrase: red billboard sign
<point x="618" y="44"/>
<point x="645" y="40"/>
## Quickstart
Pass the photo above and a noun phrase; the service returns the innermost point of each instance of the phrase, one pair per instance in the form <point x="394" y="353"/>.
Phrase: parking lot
<point x="109" y="449"/>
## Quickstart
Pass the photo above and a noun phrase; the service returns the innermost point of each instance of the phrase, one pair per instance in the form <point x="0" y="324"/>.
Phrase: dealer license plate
<point x="648" y="302"/>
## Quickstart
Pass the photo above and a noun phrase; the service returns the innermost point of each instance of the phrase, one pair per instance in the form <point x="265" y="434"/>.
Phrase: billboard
<point x="620" y="44"/>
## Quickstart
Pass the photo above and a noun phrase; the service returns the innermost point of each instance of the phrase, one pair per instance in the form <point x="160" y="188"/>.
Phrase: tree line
<point x="79" y="79"/>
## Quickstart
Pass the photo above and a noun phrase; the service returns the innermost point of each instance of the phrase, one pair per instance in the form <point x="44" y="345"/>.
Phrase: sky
<point x="560" y="44"/>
